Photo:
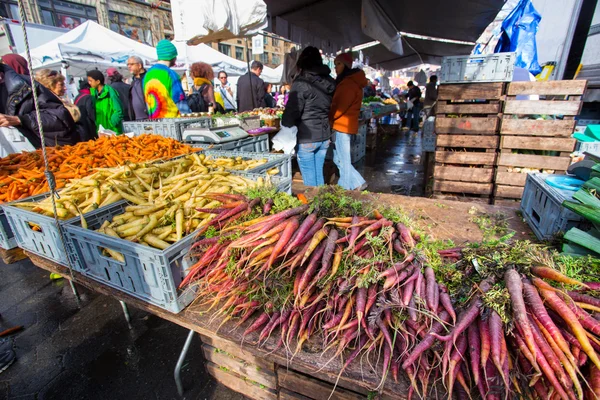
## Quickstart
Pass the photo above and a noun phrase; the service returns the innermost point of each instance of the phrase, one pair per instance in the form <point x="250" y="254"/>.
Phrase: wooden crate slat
<point x="311" y="387"/>
<point x="236" y="350"/>
<point x="510" y="178"/>
<point x="285" y="394"/>
<point x="462" y="187"/>
<point x="482" y="126"/>
<point x="536" y="143"/>
<point x="468" y="141"/>
<point x="238" y="384"/>
<point x="510" y="192"/>
<point x="550" y="88"/>
<point x="461" y="157"/>
<point x="532" y="127"/>
<point x="471" y="91"/>
<point x="463" y="174"/>
<point x="466" y="108"/>
<point x="534" y="161"/>
<point x="540" y="107"/>
<point x="12" y="255"/>
<point x="240" y="367"/>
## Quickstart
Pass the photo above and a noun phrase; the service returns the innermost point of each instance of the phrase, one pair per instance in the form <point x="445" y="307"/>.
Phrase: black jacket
<point x="136" y="96"/>
<point x="245" y="94"/>
<point x="87" y="108"/>
<point x="309" y="103"/>
<point x="124" y="91"/>
<point x="57" y="121"/>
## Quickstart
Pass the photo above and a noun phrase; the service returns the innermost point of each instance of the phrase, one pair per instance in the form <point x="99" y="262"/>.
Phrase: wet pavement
<point x="87" y="351"/>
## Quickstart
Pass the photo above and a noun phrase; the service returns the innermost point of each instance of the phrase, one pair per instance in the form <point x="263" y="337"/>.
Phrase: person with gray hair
<point x="137" y="102"/>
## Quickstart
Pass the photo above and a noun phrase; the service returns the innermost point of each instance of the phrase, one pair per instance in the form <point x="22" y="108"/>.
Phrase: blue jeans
<point x="311" y="157"/>
<point x="350" y="178"/>
<point x="413" y="117"/>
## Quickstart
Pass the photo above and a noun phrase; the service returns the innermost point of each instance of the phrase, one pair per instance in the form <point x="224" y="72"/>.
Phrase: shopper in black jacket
<point x="115" y="80"/>
<point x="251" y="96"/>
<point x="17" y="110"/>
<point x="86" y="105"/>
<point x="308" y="109"/>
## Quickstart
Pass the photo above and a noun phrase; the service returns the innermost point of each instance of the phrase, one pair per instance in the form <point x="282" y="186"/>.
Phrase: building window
<point x="225" y="49"/>
<point x="264" y="58"/>
<point x="65" y="14"/>
<point x="9" y="10"/>
<point x="239" y="41"/>
<point x="239" y="53"/>
<point x="265" y="40"/>
<point x="276" y="59"/>
<point x="130" y="26"/>
<point x="275" y="42"/>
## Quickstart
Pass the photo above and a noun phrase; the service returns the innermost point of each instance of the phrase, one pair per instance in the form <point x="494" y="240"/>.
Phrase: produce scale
<point x="221" y="134"/>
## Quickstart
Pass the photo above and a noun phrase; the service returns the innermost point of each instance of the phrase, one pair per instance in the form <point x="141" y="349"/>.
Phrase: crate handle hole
<point x="34" y="227"/>
<point x="107" y="274"/>
<point x="536" y="216"/>
<point x="100" y="251"/>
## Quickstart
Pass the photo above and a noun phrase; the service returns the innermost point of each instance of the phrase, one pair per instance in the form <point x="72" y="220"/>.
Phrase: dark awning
<point x="335" y="24"/>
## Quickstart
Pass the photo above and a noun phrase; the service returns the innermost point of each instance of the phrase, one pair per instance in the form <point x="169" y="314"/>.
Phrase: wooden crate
<point x="12" y="255"/>
<point x="519" y="132"/>
<point x="296" y="386"/>
<point x="240" y="383"/>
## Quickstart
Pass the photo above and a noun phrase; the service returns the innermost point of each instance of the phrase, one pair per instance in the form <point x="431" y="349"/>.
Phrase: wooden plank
<point x="481" y="126"/>
<point x="461" y="157"/>
<point x="533" y="127"/>
<point x="510" y="178"/>
<point x="471" y="91"/>
<point x="550" y="88"/>
<point x="533" y="161"/>
<point x="311" y="387"/>
<point x="541" y="107"/>
<point x="468" y="141"/>
<point x="238" y="384"/>
<point x="239" y="366"/>
<point x="285" y="394"/>
<point x="467" y="108"/>
<point x="462" y="187"/>
<point x="536" y="143"/>
<point x="12" y="255"/>
<point x="463" y="174"/>
<point x="237" y="351"/>
<point x="510" y="192"/>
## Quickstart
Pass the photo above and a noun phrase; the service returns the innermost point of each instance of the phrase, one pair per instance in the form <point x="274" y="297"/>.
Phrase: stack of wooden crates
<point x="489" y="137"/>
<point x="467" y="123"/>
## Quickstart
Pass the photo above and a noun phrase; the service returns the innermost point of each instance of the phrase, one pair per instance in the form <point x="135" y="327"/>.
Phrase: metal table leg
<point x="74" y="289"/>
<point x="180" y="361"/>
<point x="126" y="313"/>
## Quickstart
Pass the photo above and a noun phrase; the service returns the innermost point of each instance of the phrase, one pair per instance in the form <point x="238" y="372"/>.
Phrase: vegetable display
<point x="22" y="174"/>
<point x="491" y="321"/>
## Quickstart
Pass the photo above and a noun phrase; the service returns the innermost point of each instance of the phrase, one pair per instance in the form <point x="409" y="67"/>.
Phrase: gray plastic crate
<point x="257" y="144"/>
<point x="429" y="138"/>
<point x="7" y="237"/>
<point x="47" y="241"/>
<point x="489" y="68"/>
<point x="542" y="208"/>
<point x="167" y="127"/>
<point x="149" y="274"/>
<point x="283" y="162"/>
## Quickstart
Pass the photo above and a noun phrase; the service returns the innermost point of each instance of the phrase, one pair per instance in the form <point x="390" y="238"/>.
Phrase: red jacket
<point x="347" y="99"/>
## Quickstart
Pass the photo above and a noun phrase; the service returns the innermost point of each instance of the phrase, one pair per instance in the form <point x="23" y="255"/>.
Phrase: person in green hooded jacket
<point x="109" y="112"/>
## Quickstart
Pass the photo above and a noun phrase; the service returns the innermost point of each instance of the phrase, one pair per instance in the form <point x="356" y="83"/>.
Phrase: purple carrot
<point x="584" y="298"/>
<point x="302" y="230"/>
<point x="267" y="207"/>
<point x="312" y="231"/>
<point x="398" y="247"/>
<point x="474" y="351"/>
<point x="354" y="231"/>
<point x="267" y="328"/>
<point x="427" y="341"/>
<point x="405" y="235"/>
<point x="259" y="322"/>
<point x="432" y="289"/>
<point x="396" y="268"/>
<point x="447" y="302"/>
<point x="311" y="269"/>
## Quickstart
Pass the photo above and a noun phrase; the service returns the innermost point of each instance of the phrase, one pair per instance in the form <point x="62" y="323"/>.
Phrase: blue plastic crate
<point x="257" y="144"/>
<point x="283" y="162"/>
<point x="47" y="241"/>
<point x="542" y="208"/>
<point x="7" y="237"/>
<point x="167" y="127"/>
<point x="149" y="274"/>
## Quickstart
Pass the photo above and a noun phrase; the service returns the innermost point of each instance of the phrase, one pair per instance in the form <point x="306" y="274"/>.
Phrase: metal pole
<point x="180" y="361"/>
<point x="126" y="313"/>
<point x="249" y="75"/>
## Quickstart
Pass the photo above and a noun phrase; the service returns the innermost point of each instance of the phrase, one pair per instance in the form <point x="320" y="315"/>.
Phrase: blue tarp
<point x="518" y="35"/>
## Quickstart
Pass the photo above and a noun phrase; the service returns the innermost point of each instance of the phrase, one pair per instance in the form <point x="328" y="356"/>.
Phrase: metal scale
<point x="220" y="134"/>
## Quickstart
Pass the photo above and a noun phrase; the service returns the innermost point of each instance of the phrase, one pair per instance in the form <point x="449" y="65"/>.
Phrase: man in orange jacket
<point x="345" y="110"/>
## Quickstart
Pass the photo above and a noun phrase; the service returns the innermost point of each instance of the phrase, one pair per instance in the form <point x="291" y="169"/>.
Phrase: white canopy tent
<point x="90" y="46"/>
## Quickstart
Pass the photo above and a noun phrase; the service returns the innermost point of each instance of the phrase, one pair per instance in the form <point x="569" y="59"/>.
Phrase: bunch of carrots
<point x="22" y="174"/>
<point x="366" y="286"/>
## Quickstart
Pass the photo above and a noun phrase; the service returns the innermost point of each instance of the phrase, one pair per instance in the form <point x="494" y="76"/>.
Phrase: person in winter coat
<point x="269" y="100"/>
<point x="17" y="109"/>
<point x="204" y="75"/>
<point x="308" y="109"/>
<point x="109" y="111"/>
<point x="115" y="81"/>
<point x="251" y="89"/>
<point x="345" y="110"/>
<point x="87" y="108"/>
<point x="138" y="109"/>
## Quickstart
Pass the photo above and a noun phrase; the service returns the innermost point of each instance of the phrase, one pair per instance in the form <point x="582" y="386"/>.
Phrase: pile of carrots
<point x="368" y="287"/>
<point x="22" y="174"/>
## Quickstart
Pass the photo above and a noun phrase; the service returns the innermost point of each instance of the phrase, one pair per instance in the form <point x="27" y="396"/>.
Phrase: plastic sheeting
<point x="212" y="20"/>
<point x="518" y="35"/>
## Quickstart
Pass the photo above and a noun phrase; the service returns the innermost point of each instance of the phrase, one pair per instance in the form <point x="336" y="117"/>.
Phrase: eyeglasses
<point x="222" y="77"/>
<point x="53" y="73"/>
<point x="128" y="64"/>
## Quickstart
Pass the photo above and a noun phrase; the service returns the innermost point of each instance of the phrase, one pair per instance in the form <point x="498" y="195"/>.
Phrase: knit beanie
<point x="165" y="50"/>
<point x="346" y="59"/>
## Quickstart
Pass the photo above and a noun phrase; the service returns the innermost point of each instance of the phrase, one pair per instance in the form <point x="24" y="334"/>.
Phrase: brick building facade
<point x="275" y="48"/>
